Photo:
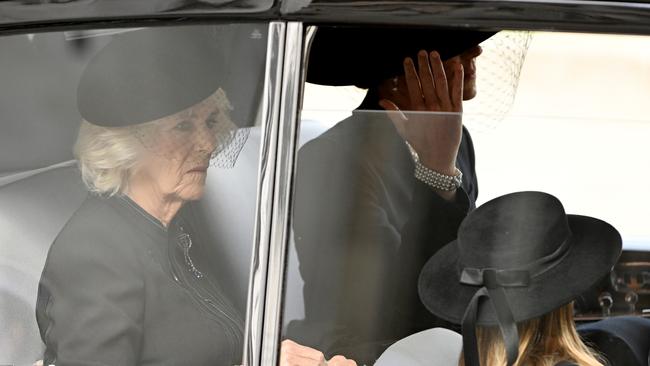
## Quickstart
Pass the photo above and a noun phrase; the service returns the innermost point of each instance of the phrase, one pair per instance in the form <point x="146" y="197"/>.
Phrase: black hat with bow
<point x="365" y="56"/>
<point x="516" y="258"/>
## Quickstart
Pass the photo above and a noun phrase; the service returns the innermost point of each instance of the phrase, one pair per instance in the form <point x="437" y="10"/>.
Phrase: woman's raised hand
<point x="294" y="354"/>
<point x="433" y="86"/>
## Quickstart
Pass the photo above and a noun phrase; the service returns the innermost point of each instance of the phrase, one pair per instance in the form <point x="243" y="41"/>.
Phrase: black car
<point x="561" y="107"/>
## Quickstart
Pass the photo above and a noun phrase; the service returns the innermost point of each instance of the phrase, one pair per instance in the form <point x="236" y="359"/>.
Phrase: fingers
<point x="456" y="85"/>
<point x="294" y="354"/>
<point x="295" y="360"/>
<point x="429" y="86"/>
<point x="413" y="85"/>
<point x="440" y="79"/>
<point x="427" y="82"/>
<point x="448" y="66"/>
<point x="340" y="361"/>
<point x="304" y="351"/>
<point x="396" y="116"/>
<point x="388" y="105"/>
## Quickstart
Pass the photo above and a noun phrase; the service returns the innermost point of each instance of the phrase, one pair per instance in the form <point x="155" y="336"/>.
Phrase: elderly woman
<point x="124" y="282"/>
<point x="127" y="282"/>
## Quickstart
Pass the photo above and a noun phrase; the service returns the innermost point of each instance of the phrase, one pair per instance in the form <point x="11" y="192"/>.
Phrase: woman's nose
<point x="207" y="139"/>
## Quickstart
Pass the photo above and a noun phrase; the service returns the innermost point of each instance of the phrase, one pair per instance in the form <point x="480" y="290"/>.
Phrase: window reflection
<point x="137" y="267"/>
<point x="360" y="252"/>
<point x="384" y="189"/>
<point x="365" y="220"/>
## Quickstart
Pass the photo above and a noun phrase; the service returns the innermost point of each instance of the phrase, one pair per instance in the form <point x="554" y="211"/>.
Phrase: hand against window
<point x="294" y="354"/>
<point x="433" y="87"/>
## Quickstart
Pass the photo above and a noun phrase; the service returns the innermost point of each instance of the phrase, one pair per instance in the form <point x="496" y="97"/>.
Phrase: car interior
<point x="40" y="185"/>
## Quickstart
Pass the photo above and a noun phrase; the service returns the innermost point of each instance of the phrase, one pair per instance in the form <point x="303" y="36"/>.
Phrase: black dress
<point x="363" y="228"/>
<point x="118" y="288"/>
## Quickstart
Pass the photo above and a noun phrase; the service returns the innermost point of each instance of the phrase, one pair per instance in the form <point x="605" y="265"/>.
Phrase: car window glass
<point x="128" y="179"/>
<point x="554" y="112"/>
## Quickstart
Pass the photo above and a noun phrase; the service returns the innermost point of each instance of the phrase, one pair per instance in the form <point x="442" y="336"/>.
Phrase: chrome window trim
<point x="280" y="231"/>
<point x="541" y="15"/>
<point x="265" y="192"/>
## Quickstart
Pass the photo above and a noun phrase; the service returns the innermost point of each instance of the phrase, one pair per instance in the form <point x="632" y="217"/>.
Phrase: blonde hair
<point x="543" y="341"/>
<point x="106" y="157"/>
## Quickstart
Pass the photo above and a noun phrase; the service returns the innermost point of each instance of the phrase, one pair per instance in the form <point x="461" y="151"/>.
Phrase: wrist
<point x="443" y="166"/>
<point x="446" y="168"/>
<point x="437" y="180"/>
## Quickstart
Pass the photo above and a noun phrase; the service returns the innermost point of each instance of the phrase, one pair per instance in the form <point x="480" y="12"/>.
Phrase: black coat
<point x="116" y="290"/>
<point x="364" y="227"/>
<point x="623" y="340"/>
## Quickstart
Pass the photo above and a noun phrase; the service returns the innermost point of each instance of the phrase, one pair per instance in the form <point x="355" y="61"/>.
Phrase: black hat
<point x="144" y="75"/>
<point x="516" y="257"/>
<point x="364" y="56"/>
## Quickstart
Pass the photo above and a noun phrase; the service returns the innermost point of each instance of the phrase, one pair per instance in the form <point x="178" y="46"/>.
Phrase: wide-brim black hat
<point x="144" y="75"/>
<point x="517" y="257"/>
<point x="592" y="250"/>
<point x="364" y="56"/>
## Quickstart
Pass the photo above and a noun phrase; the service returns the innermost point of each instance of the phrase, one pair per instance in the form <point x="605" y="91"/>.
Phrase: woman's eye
<point x="183" y="126"/>
<point x="211" y="122"/>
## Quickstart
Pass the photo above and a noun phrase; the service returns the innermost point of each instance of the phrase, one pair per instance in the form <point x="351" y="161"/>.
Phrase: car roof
<point x="630" y="17"/>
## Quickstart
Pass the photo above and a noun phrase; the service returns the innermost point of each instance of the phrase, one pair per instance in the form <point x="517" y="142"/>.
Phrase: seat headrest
<point x="622" y="340"/>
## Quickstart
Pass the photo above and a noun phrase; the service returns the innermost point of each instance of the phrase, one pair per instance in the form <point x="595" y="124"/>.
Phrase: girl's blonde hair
<point x="106" y="157"/>
<point x="543" y="341"/>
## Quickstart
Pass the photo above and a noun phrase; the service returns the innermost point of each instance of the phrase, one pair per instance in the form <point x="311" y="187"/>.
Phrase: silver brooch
<point x="185" y="242"/>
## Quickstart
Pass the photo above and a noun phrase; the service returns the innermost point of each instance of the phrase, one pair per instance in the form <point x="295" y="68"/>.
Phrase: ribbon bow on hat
<point x="494" y="281"/>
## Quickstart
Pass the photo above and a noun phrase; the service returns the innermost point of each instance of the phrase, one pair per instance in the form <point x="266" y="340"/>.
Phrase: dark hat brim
<point x="364" y="56"/>
<point x="595" y="249"/>
<point x="144" y="75"/>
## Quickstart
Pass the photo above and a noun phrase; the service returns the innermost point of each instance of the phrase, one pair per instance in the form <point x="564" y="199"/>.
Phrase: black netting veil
<point x="179" y="86"/>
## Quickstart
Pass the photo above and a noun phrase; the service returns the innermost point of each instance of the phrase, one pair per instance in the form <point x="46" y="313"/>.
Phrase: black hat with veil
<point x="364" y="56"/>
<point x="147" y="75"/>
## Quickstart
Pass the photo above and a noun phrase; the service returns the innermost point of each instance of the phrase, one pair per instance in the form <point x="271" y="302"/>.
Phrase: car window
<point x="128" y="178"/>
<point x="544" y="101"/>
<point x="559" y="113"/>
<point x="592" y="128"/>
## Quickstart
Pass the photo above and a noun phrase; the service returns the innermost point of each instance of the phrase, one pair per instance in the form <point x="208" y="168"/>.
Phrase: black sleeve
<point x="359" y="269"/>
<point x="90" y="308"/>
<point x="433" y="224"/>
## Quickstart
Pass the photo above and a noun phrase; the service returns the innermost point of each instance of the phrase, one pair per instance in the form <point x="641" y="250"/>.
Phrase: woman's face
<point x="396" y="88"/>
<point x="468" y="60"/>
<point x="177" y="155"/>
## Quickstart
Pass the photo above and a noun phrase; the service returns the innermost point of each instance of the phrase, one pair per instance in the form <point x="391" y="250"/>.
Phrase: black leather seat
<point x="35" y="205"/>
<point x="32" y="212"/>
